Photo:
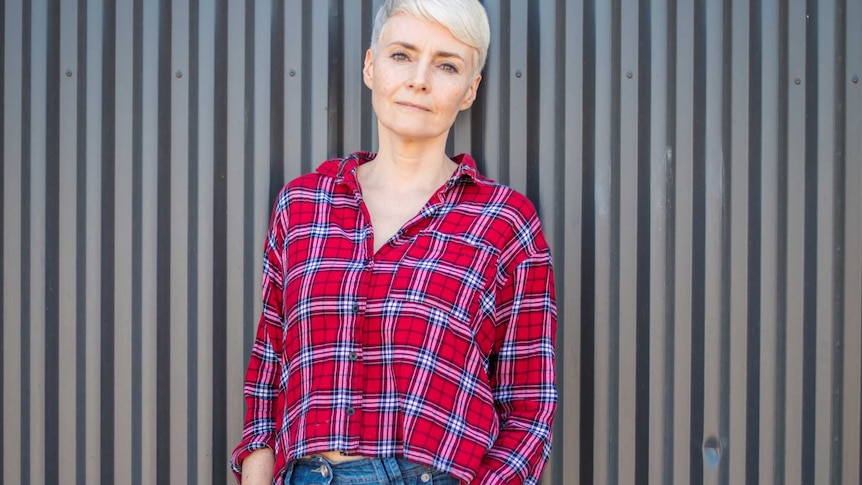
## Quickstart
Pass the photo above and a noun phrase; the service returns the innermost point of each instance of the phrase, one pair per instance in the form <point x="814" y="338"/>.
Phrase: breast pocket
<point x="446" y="277"/>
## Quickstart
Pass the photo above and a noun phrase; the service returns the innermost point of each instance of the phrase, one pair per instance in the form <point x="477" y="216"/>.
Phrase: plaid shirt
<point x="438" y="348"/>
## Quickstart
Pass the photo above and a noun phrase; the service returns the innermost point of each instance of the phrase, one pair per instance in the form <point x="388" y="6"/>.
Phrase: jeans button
<point x="426" y="477"/>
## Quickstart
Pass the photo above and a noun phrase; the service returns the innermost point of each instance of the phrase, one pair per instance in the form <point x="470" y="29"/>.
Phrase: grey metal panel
<point x="794" y="213"/>
<point x="13" y="218"/>
<point x="710" y="239"/>
<point x="67" y="361"/>
<point x="827" y="253"/>
<point x="696" y="166"/>
<point x="566" y="460"/>
<point x="661" y="273"/>
<point x="738" y="41"/>
<point x="683" y="154"/>
<point x="204" y="78"/>
<point x="852" y="304"/>
<point x="38" y="237"/>
<point x="769" y="249"/>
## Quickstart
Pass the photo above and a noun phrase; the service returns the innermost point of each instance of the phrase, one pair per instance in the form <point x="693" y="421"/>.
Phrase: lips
<point x="412" y="106"/>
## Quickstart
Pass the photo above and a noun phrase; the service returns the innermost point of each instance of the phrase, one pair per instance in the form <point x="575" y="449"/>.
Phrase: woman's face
<point x="420" y="78"/>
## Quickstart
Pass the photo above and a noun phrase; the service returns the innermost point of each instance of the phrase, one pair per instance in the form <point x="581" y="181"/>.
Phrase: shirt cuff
<point x="241" y="452"/>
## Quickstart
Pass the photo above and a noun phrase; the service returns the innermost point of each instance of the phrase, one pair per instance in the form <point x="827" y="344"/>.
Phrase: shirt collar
<point x="344" y="169"/>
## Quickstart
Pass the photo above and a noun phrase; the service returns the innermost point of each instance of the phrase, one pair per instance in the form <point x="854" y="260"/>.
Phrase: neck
<point x="410" y="165"/>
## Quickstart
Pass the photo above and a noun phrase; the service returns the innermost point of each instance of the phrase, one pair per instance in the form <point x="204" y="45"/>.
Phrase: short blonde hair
<point x="465" y="19"/>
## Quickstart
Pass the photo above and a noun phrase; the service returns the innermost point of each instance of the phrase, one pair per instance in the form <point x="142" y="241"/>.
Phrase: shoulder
<point x="500" y="199"/>
<point x="332" y="178"/>
<point x="507" y="219"/>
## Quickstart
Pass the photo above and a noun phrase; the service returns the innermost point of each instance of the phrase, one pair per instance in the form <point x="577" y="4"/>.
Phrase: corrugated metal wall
<point x="697" y="165"/>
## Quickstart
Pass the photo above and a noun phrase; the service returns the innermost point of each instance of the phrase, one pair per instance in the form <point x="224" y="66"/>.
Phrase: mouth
<point x="412" y="106"/>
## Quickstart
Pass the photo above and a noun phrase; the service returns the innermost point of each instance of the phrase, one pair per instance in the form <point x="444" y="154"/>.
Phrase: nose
<point x="419" y="79"/>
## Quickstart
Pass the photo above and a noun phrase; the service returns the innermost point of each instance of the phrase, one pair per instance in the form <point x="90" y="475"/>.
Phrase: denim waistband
<point x="366" y="471"/>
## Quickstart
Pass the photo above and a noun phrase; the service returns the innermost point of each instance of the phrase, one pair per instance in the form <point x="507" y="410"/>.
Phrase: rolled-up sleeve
<point x="262" y="379"/>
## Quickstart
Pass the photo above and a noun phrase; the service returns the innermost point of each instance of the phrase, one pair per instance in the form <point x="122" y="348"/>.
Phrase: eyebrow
<point x="412" y="47"/>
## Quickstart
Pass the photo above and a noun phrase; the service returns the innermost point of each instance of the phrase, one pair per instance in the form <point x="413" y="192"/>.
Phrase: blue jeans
<point x="317" y="470"/>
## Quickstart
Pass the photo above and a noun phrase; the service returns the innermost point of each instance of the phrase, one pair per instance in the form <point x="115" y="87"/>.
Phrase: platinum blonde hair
<point x="465" y="19"/>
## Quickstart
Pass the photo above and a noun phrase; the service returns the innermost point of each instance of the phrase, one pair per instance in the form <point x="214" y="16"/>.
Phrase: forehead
<point x="420" y="33"/>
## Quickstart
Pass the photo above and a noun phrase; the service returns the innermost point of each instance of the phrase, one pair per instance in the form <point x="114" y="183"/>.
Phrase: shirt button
<point x="426" y="477"/>
<point x="350" y="411"/>
<point x="352" y="357"/>
<point x="355" y="308"/>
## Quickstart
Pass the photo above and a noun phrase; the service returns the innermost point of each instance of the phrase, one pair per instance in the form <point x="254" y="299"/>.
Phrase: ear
<point x="471" y="93"/>
<point x="368" y="68"/>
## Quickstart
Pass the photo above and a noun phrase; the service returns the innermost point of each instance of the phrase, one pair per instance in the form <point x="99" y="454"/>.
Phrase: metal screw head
<point x="855" y="79"/>
<point x="292" y="73"/>
<point x="518" y="74"/>
<point x="179" y="74"/>
<point x="797" y="81"/>
<point x="629" y="74"/>
<point x="68" y="73"/>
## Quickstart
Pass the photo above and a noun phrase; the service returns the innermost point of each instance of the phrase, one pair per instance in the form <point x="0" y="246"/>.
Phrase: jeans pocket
<point x="430" y="476"/>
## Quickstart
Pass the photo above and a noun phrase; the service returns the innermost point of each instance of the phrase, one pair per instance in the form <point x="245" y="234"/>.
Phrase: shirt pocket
<point x="447" y="280"/>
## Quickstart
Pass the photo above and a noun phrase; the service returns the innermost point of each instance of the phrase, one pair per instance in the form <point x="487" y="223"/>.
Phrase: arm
<point x="257" y="468"/>
<point x="253" y="460"/>
<point x="523" y="384"/>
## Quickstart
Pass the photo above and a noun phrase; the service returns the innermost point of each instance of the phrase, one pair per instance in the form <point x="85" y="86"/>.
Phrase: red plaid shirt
<point x="438" y="348"/>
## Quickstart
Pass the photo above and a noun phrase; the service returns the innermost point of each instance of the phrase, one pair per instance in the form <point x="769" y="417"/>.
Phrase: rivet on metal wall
<point x="855" y="79"/>
<point x="797" y="81"/>
<point x="68" y="73"/>
<point x="629" y="74"/>
<point x="179" y="74"/>
<point x="292" y="73"/>
<point x="518" y="74"/>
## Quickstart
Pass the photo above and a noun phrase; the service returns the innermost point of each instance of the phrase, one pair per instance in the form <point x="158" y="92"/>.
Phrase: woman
<point x="407" y="333"/>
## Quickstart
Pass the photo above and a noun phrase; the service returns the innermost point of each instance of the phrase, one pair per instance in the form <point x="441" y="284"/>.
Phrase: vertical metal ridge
<point x="163" y="254"/>
<point x="559" y="241"/>
<point x="725" y="222"/>
<point x="781" y="250"/>
<point x="3" y="336"/>
<point x="52" y="248"/>
<point x="505" y="93"/>
<point x="80" y="250"/>
<point x="838" y="252"/>
<point x="809" y="309"/>
<point x="337" y="54"/>
<point x="517" y="99"/>
<point x="588" y="251"/>
<point x="306" y="102"/>
<point x="25" y="240"/>
<point x="249" y="244"/>
<point x="276" y="120"/>
<point x="614" y="235"/>
<point x="644" y="247"/>
<point x="219" y="343"/>
<point x="755" y="86"/>
<point x="192" y="445"/>
<point x="106" y="401"/>
<point x="698" y="243"/>
<point x="137" y="265"/>
<point x="670" y="244"/>
<point x="533" y="102"/>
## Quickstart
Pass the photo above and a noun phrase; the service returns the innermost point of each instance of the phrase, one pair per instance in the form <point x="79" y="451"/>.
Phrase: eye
<point x="398" y="56"/>
<point x="448" y="67"/>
